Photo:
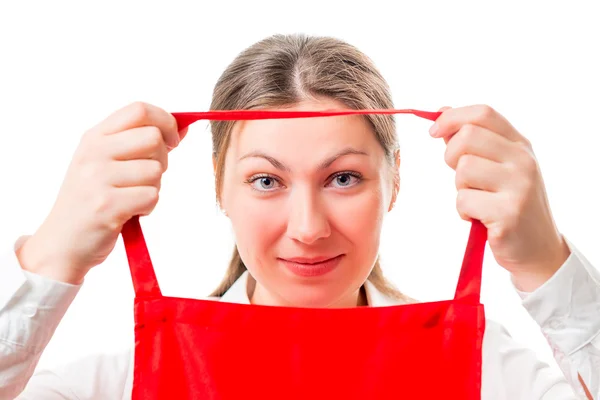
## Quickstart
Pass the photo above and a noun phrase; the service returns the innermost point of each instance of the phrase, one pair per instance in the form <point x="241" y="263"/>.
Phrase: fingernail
<point x="434" y="130"/>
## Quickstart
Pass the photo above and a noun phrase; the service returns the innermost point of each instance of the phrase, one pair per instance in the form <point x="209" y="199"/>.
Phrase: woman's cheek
<point x="359" y="217"/>
<point x="257" y="225"/>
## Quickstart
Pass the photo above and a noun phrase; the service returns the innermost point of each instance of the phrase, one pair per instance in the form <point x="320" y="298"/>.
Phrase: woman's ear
<point x="396" y="174"/>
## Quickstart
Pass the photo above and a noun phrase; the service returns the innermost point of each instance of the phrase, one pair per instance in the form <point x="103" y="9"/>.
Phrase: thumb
<point x="183" y="132"/>
<point x="446" y="139"/>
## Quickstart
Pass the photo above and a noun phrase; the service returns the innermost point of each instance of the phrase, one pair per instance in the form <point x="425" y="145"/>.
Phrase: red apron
<point x="203" y="349"/>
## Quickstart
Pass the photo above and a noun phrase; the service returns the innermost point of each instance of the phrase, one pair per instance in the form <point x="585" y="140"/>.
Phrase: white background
<point x="64" y="66"/>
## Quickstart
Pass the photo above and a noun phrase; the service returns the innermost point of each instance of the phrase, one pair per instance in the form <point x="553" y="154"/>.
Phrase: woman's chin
<point x="307" y="293"/>
<point x="315" y="298"/>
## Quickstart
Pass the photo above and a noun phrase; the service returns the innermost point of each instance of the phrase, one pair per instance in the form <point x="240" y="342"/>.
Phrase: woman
<point x="307" y="176"/>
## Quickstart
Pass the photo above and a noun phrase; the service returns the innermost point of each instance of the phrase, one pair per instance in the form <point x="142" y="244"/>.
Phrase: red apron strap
<point x="140" y="265"/>
<point x="184" y="119"/>
<point x="469" y="282"/>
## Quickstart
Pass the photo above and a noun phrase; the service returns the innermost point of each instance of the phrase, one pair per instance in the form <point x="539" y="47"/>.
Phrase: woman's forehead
<point x="307" y="140"/>
<point x="319" y="129"/>
<point x="304" y="137"/>
<point x="306" y="144"/>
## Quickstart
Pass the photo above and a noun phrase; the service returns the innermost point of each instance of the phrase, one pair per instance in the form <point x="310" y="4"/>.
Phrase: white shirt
<point x="567" y="308"/>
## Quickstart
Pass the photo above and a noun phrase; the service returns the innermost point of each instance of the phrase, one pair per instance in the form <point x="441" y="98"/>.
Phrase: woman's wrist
<point x="36" y="255"/>
<point x="531" y="278"/>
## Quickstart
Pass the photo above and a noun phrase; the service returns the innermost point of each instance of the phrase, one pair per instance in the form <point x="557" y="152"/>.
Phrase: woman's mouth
<point x="311" y="267"/>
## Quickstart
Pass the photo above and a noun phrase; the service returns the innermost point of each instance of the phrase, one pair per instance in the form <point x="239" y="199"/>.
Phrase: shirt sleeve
<point x="95" y="377"/>
<point x="567" y="309"/>
<point x="512" y="371"/>
<point x="31" y="307"/>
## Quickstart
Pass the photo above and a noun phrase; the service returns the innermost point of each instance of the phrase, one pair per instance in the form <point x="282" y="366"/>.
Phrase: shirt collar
<point x="238" y="293"/>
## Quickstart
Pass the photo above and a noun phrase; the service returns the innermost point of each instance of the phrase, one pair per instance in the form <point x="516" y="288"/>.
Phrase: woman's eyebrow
<point x="324" y="164"/>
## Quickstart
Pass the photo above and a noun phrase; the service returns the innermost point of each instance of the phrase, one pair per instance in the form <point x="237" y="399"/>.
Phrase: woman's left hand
<point x="499" y="183"/>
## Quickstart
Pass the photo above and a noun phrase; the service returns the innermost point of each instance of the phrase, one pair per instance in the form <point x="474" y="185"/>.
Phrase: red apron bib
<point x="204" y="349"/>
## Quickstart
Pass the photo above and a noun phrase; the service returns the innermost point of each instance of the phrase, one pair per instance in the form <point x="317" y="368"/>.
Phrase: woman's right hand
<point x="114" y="175"/>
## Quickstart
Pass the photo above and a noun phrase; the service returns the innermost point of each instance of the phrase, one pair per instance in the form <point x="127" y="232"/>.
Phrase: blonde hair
<point x="282" y="70"/>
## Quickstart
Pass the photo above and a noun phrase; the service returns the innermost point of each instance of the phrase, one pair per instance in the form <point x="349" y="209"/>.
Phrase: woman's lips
<point x="310" y="267"/>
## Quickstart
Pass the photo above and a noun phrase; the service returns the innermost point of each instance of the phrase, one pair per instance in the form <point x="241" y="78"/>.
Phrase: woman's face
<point x="306" y="198"/>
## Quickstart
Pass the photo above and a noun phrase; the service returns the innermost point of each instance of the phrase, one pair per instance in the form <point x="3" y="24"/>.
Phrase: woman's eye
<point x="264" y="183"/>
<point x="345" y="179"/>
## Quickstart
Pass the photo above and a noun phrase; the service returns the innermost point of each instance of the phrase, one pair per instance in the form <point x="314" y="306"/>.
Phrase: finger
<point x="473" y="172"/>
<point x="137" y="144"/>
<point x="135" y="200"/>
<point x="481" y="115"/>
<point x="183" y="133"/>
<point x="447" y="138"/>
<point x="478" y="141"/>
<point x="135" y="173"/>
<point x="479" y="205"/>
<point x="137" y="115"/>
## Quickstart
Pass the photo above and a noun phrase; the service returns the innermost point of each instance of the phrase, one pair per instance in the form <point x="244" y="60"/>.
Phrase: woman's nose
<point x="308" y="220"/>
